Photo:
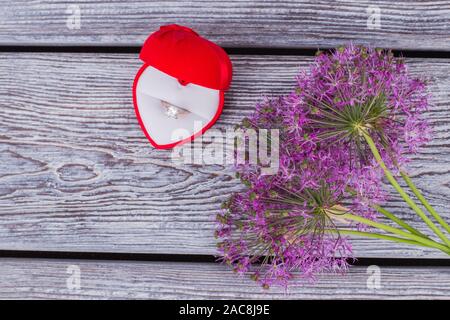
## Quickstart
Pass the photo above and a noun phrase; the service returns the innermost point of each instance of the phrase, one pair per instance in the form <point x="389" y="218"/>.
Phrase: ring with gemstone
<point x="172" y="111"/>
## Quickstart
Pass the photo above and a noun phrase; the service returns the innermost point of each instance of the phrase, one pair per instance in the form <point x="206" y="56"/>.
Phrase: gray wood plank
<point x="77" y="174"/>
<point x="234" y="23"/>
<point x="47" y="279"/>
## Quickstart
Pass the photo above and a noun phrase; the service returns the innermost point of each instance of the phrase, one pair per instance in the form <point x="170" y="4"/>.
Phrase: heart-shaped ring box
<point x="179" y="91"/>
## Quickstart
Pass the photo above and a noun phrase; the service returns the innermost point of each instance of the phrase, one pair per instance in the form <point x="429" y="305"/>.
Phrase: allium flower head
<point x="272" y="232"/>
<point x="356" y="90"/>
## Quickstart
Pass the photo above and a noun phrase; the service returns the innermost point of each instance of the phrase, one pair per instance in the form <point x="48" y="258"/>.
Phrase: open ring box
<point x="179" y="91"/>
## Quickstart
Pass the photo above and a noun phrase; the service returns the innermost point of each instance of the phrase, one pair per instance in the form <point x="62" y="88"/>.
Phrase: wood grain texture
<point x="77" y="174"/>
<point x="404" y="24"/>
<point x="47" y="279"/>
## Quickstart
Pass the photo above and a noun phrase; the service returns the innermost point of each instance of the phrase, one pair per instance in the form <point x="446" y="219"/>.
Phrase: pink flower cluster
<point x="278" y="227"/>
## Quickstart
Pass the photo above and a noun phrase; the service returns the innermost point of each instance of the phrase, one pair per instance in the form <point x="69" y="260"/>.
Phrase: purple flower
<point x="289" y="222"/>
<point x="355" y="89"/>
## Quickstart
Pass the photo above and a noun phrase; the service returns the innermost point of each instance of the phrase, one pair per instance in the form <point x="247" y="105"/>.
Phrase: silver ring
<point x="172" y="111"/>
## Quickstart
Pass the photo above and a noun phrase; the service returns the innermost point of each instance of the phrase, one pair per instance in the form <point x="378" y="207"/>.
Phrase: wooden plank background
<point x="78" y="175"/>
<point x="46" y="279"/>
<point x="238" y="23"/>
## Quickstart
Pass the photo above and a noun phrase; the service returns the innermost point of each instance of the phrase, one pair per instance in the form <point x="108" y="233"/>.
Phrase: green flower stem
<point x="424" y="201"/>
<point x="399" y="221"/>
<point x="400" y="190"/>
<point x="392" y="217"/>
<point x="378" y="236"/>
<point x="426" y="242"/>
